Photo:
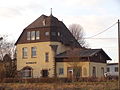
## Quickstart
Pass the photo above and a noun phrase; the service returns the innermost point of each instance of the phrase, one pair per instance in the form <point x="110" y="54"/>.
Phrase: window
<point x="45" y="73"/>
<point x="85" y="71"/>
<point x="58" y="33"/>
<point x="46" y="57"/>
<point x="28" y="35"/>
<point x="33" y="35"/>
<point x="102" y="71"/>
<point x="37" y="35"/>
<point x="53" y="33"/>
<point x="116" y="69"/>
<point x="108" y="69"/>
<point x="47" y="33"/>
<point x="44" y="22"/>
<point x="33" y="51"/>
<point x="94" y="72"/>
<point x="27" y="72"/>
<point x="61" y="71"/>
<point x="24" y="52"/>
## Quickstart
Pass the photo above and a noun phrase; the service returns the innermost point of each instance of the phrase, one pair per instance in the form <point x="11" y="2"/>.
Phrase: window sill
<point x="34" y="57"/>
<point x="24" y="58"/>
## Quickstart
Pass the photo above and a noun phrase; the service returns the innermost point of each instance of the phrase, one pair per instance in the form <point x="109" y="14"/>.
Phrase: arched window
<point x="27" y="72"/>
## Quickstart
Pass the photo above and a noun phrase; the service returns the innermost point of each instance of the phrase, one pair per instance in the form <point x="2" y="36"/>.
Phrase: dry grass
<point x="111" y="85"/>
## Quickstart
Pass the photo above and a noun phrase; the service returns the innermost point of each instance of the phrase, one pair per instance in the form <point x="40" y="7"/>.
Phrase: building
<point x="45" y="49"/>
<point x="112" y="69"/>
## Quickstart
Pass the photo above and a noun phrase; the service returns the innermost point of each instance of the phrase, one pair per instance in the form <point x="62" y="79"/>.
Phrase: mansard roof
<point x="48" y="20"/>
<point x="52" y="24"/>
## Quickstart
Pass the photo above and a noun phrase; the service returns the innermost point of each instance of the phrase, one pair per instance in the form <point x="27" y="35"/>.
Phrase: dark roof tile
<point x="81" y="53"/>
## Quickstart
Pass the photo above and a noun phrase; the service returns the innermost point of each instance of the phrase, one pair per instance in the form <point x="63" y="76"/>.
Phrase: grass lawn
<point x="109" y="85"/>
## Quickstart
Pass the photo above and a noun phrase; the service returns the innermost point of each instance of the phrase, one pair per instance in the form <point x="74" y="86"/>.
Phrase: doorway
<point x="69" y="72"/>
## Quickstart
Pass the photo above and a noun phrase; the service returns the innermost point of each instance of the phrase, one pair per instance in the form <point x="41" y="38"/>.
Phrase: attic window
<point x="33" y="35"/>
<point x="47" y="33"/>
<point x="58" y="33"/>
<point x="28" y="35"/>
<point x="37" y="35"/>
<point x="53" y="33"/>
<point x="44" y="22"/>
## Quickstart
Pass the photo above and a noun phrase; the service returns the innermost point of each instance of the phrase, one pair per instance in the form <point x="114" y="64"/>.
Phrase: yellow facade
<point x="38" y="63"/>
<point x="86" y="68"/>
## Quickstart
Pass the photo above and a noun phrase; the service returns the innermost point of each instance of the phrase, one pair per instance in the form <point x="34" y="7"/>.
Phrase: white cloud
<point x="93" y="15"/>
<point x="9" y="12"/>
<point x="83" y="3"/>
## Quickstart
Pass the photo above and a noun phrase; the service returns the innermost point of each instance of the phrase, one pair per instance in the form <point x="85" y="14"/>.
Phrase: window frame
<point x="53" y="34"/>
<point x="24" y="52"/>
<point x="116" y="69"/>
<point x="27" y="72"/>
<point x="47" y="33"/>
<point x="37" y="35"/>
<point x="94" y="71"/>
<point x="28" y="35"/>
<point x="61" y="71"/>
<point x="46" y="57"/>
<point x="33" y="50"/>
<point x="33" y="35"/>
<point x="108" y="69"/>
<point x="102" y="71"/>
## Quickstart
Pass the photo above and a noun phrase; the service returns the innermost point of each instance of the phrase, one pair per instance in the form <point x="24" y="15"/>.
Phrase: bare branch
<point x="78" y="33"/>
<point x="6" y="47"/>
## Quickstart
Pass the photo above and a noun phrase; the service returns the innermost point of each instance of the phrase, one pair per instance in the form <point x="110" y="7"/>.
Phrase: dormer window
<point x="58" y="33"/>
<point x="47" y="33"/>
<point x="53" y="33"/>
<point x="37" y="35"/>
<point x="28" y="35"/>
<point x="44" y="22"/>
<point x="33" y="35"/>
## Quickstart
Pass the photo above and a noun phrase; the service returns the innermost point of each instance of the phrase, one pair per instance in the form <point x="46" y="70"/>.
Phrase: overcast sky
<point x="93" y="15"/>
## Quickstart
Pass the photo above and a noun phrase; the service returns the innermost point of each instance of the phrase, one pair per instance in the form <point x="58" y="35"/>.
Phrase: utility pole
<point x="119" y="52"/>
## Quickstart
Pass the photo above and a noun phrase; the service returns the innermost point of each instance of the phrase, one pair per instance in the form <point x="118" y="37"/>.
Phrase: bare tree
<point x="78" y="33"/>
<point x="6" y="47"/>
<point x="7" y="52"/>
<point x="74" y="60"/>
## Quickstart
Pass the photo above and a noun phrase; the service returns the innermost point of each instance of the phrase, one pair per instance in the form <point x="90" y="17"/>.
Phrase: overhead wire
<point x="101" y="32"/>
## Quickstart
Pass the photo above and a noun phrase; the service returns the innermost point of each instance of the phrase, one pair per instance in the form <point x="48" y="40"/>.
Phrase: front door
<point x="69" y="72"/>
<point x="44" y="73"/>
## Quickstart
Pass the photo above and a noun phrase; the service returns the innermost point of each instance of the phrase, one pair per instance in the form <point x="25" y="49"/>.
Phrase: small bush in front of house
<point x="56" y="80"/>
